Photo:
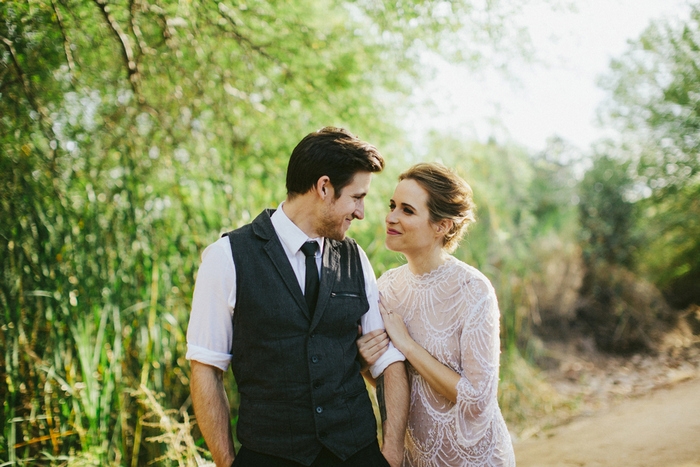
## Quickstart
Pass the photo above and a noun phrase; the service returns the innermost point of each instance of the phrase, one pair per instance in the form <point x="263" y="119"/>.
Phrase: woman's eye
<point x="408" y="211"/>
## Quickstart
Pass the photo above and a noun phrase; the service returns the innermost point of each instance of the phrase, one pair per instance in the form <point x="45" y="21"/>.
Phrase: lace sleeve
<point x="480" y="351"/>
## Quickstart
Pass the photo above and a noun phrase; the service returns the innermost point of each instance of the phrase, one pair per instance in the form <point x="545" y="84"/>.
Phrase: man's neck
<point x="301" y="211"/>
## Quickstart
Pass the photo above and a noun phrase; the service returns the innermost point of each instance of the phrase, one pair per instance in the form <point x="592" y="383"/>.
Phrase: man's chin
<point x="333" y="234"/>
<point x="337" y="236"/>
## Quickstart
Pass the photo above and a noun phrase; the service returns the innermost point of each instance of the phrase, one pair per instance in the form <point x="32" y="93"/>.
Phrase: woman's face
<point x="408" y="226"/>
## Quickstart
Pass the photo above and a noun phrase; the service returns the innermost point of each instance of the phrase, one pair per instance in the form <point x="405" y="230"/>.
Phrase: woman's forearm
<point x="441" y="378"/>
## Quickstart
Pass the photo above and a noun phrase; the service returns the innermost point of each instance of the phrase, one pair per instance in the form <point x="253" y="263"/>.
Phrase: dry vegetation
<point x="583" y="380"/>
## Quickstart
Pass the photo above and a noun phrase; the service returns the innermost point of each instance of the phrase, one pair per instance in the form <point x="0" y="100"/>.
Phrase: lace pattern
<point x="453" y="313"/>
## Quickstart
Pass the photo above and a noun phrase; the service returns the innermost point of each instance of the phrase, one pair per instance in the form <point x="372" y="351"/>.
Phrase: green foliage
<point x="638" y="203"/>
<point x="622" y="310"/>
<point x="607" y="214"/>
<point x="655" y="89"/>
<point x="672" y="226"/>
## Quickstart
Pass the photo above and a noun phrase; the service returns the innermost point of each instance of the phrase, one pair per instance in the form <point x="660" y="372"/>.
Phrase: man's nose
<point x="360" y="210"/>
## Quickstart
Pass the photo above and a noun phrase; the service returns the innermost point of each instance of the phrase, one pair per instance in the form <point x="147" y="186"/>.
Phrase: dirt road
<point x="660" y="429"/>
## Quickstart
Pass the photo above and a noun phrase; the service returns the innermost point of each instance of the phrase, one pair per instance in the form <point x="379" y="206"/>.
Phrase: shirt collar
<point x="291" y="236"/>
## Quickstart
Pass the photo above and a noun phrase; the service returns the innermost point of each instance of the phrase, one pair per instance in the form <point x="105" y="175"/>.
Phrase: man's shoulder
<point x="261" y="226"/>
<point x="219" y="246"/>
<point x="217" y="256"/>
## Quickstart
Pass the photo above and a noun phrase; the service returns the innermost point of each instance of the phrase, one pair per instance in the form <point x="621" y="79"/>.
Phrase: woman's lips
<point x="392" y="232"/>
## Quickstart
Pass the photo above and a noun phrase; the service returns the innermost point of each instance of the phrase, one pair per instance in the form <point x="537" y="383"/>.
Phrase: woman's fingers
<point x="386" y="312"/>
<point x="382" y="308"/>
<point x="395" y="326"/>
<point x="389" y="317"/>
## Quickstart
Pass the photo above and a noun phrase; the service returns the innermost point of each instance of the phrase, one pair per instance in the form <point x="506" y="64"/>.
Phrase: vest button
<point x="319" y="409"/>
<point x="322" y="435"/>
<point x="317" y="384"/>
<point x="314" y="359"/>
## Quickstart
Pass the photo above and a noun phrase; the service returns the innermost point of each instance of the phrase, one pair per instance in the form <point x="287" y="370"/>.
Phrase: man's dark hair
<point x="330" y="151"/>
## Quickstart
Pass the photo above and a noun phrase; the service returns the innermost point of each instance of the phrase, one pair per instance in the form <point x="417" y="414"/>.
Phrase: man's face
<point x="339" y="212"/>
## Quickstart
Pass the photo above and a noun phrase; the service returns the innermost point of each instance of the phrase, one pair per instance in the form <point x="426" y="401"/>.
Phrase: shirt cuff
<point x="208" y="357"/>
<point x="392" y="355"/>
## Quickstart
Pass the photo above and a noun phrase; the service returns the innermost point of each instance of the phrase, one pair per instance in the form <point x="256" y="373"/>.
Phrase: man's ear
<point x="323" y="187"/>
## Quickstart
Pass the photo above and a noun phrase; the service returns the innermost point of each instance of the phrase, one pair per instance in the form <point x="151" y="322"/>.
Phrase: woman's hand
<point x="396" y="328"/>
<point x="372" y="346"/>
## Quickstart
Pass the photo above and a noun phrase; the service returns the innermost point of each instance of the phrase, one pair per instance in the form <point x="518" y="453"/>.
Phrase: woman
<point x="443" y="315"/>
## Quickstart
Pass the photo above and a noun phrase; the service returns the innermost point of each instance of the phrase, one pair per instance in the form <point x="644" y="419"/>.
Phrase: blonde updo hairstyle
<point x="449" y="197"/>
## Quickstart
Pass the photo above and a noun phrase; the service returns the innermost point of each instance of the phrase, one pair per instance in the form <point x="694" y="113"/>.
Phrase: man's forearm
<point x="212" y="411"/>
<point x="393" y="400"/>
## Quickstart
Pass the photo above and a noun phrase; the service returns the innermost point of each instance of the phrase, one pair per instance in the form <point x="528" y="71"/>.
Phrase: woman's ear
<point x="443" y="226"/>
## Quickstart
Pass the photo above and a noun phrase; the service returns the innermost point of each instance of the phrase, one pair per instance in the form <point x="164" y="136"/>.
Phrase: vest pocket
<point x="346" y="306"/>
<point x="345" y="295"/>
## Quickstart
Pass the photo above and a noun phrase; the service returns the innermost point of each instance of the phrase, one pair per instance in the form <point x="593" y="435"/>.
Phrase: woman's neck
<point x="426" y="261"/>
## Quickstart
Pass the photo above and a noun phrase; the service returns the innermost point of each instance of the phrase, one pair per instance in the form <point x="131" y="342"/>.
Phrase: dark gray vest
<point x="298" y="378"/>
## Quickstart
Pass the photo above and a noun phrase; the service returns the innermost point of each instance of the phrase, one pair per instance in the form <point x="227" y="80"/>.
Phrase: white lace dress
<point x="453" y="313"/>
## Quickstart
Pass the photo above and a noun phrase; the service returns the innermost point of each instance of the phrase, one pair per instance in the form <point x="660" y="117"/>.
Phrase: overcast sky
<point x="556" y="98"/>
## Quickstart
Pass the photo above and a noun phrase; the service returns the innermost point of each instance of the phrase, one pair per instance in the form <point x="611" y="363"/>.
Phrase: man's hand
<point x="212" y="411"/>
<point x="371" y="346"/>
<point x="393" y="456"/>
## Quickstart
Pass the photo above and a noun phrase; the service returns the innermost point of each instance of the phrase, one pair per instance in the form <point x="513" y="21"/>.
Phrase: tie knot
<point x="309" y="248"/>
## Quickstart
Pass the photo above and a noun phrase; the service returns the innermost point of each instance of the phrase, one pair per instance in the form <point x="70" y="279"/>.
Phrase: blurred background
<point x="133" y="133"/>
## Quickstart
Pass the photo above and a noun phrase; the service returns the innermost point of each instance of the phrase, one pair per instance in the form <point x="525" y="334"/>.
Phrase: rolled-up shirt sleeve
<point x="210" y="328"/>
<point x="372" y="320"/>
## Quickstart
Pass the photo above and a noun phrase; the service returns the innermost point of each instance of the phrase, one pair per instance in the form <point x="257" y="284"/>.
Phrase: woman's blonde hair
<point x="449" y="197"/>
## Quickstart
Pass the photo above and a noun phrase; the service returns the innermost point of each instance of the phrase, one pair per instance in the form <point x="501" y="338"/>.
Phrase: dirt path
<point x="660" y="429"/>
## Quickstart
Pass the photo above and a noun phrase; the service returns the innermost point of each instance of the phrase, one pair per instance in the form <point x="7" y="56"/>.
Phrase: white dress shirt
<point x="210" y="329"/>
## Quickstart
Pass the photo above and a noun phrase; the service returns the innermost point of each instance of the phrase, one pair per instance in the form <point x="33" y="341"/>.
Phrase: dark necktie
<point x="312" y="282"/>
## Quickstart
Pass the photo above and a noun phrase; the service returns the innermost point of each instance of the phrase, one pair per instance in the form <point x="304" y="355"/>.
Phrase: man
<point x="259" y="306"/>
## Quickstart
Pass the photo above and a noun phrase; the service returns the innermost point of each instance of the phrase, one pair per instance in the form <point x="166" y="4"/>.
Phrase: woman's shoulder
<point x="470" y="278"/>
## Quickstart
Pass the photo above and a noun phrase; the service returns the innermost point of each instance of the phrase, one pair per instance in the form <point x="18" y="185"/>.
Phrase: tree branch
<point x="242" y="40"/>
<point x="66" y="41"/>
<point x="135" y="29"/>
<point x="127" y="52"/>
<point x="26" y="87"/>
